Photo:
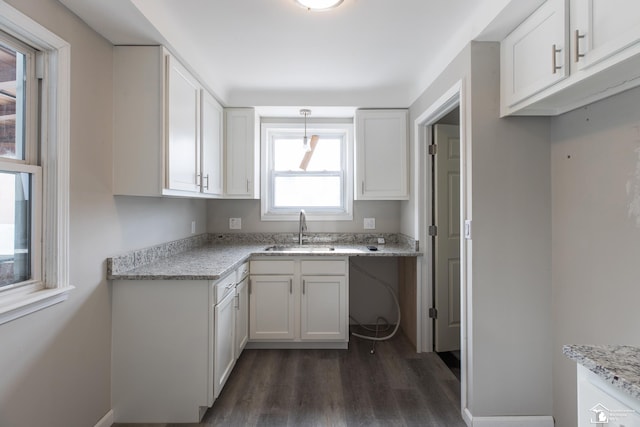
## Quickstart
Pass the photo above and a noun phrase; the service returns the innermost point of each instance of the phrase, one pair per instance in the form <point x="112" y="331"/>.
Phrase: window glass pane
<point x="12" y="103"/>
<point x="15" y="220"/>
<point x="289" y="155"/>
<point x="307" y="191"/>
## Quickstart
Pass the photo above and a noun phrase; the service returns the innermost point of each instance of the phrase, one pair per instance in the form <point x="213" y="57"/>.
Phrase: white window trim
<point x="55" y="286"/>
<point x="324" y="126"/>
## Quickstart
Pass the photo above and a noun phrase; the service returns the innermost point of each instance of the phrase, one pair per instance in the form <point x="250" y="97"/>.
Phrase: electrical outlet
<point x="193" y="227"/>
<point x="369" y="223"/>
<point x="235" y="223"/>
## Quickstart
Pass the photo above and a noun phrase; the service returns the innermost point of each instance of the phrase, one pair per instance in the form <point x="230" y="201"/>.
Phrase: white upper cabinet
<point x="535" y="55"/>
<point x="604" y="28"/>
<point x="570" y="53"/>
<point x="212" y="152"/>
<point x="167" y="128"/>
<point x="183" y="116"/>
<point x="242" y="155"/>
<point x="381" y="159"/>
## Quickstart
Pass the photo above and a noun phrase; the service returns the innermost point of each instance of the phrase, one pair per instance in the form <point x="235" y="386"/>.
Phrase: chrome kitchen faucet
<point x="302" y="226"/>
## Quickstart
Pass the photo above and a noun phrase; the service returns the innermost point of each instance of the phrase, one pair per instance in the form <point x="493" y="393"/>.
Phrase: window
<point x="34" y="169"/>
<point x="316" y="179"/>
<point x="19" y="173"/>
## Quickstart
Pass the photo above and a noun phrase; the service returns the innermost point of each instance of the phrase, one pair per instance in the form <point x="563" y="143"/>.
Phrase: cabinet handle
<point x="206" y="187"/>
<point x="198" y="179"/>
<point x="248" y="185"/>
<point x="290" y="286"/>
<point x="578" y="54"/>
<point x="554" y="63"/>
<point x="362" y="187"/>
<point x="237" y="302"/>
<point x="304" y="287"/>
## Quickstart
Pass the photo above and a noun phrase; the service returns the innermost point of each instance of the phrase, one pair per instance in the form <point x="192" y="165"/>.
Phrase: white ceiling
<point x="365" y="53"/>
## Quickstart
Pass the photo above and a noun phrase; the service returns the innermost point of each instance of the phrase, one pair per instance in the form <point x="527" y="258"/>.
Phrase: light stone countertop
<point x="215" y="260"/>
<point x="618" y="365"/>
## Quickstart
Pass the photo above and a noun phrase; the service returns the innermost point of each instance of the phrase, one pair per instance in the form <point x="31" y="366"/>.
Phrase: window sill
<point x="24" y="304"/>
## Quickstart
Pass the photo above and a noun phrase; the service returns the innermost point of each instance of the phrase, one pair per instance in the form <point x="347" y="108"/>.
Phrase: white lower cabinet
<point x="242" y="315"/>
<point x="299" y="302"/>
<point x="601" y="404"/>
<point x="224" y="338"/>
<point x="174" y="344"/>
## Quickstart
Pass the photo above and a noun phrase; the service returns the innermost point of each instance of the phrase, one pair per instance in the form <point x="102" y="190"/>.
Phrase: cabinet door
<point x="604" y="28"/>
<point x="240" y="153"/>
<point x="183" y="139"/>
<point x="324" y="308"/>
<point x="534" y="56"/>
<point x="382" y="168"/>
<point x="212" y="160"/>
<point x="271" y="308"/>
<point x="224" y="351"/>
<point x="242" y="315"/>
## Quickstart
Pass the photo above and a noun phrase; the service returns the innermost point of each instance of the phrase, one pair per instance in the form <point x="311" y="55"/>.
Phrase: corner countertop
<point x="215" y="260"/>
<point x="618" y="365"/>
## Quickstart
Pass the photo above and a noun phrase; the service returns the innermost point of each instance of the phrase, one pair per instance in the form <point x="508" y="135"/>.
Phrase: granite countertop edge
<point x="214" y="261"/>
<point x="618" y="365"/>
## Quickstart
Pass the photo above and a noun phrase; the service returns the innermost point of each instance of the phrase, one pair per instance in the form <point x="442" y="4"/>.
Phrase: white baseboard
<point x="511" y="421"/>
<point x="106" y="421"/>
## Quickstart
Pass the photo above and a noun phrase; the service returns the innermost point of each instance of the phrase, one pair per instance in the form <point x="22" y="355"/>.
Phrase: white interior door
<point x="447" y="241"/>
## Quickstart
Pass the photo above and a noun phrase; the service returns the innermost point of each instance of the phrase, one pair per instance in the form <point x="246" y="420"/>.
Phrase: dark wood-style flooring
<point x="393" y="387"/>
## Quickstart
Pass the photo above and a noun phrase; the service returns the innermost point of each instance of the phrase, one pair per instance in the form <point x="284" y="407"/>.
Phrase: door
<point x="242" y="315"/>
<point x="271" y="307"/>
<point x="183" y="111"/>
<point x="224" y="359"/>
<point x="212" y="160"/>
<point x="447" y="240"/>
<point x="534" y="56"/>
<point x="604" y="28"/>
<point x="324" y="307"/>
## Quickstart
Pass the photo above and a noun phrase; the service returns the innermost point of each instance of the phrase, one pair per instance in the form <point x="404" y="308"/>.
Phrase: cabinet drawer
<point x="324" y="267"/>
<point x="242" y="272"/>
<point x="272" y="267"/>
<point x="222" y="287"/>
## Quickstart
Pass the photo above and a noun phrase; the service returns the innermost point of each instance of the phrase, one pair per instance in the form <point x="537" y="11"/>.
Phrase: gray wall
<point x="511" y="272"/>
<point x="57" y="362"/>
<point x="595" y="159"/>
<point x="386" y="213"/>
<point x="509" y="287"/>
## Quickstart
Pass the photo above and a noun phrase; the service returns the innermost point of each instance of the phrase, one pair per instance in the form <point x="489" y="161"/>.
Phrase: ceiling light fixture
<point x="319" y="4"/>
<point x="307" y="145"/>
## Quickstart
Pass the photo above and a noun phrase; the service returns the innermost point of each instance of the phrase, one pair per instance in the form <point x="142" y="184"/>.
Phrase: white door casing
<point x="447" y="241"/>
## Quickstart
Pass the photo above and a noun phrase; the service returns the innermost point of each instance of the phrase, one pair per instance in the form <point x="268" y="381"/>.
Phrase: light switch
<point x="235" y="223"/>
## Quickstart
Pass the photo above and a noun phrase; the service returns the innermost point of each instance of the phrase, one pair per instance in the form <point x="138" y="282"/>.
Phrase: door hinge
<point x="433" y="230"/>
<point x="433" y="313"/>
<point x="433" y="149"/>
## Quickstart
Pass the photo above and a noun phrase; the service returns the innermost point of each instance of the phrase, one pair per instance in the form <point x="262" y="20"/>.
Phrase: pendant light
<point x="319" y="4"/>
<point x="305" y="141"/>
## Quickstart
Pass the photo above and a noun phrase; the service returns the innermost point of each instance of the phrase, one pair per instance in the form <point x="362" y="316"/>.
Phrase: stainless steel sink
<point x="299" y="248"/>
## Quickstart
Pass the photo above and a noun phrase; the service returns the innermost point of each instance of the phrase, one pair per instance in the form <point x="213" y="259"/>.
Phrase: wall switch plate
<point x="235" y="223"/>
<point x="369" y="223"/>
<point x="193" y="227"/>
<point x="381" y="240"/>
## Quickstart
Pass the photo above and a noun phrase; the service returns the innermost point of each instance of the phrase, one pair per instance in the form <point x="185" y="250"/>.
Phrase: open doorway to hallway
<point x="445" y="192"/>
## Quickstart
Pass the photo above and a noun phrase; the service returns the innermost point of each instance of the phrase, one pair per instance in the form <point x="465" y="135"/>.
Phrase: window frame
<point x="52" y="64"/>
<point x="290" y="127"/>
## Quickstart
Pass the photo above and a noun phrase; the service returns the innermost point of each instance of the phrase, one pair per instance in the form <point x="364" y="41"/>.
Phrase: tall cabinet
<point x="382" y="162"/>
<point x="167" y="137"/>
<point x="242" y="154"/>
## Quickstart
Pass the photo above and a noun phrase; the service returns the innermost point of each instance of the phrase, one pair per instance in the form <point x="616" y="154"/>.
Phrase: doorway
<point x="445" y="242"/>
